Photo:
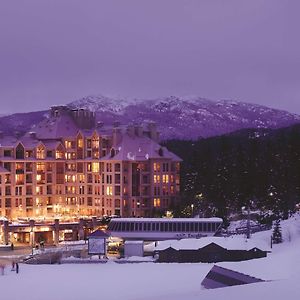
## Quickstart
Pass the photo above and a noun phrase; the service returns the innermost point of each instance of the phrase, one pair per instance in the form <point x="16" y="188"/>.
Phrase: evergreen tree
<point x="277" y="236"/>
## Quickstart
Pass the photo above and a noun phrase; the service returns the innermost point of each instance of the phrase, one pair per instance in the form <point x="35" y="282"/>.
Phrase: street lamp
<point x="192" y="206"/>
<point x="31" y="240"/>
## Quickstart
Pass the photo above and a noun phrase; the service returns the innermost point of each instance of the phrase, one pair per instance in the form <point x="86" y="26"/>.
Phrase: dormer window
<point x="40" y="153"/>
<point x="112" y="152"/>
<point x="161" y="152"/>
<point x="20" y="152"/>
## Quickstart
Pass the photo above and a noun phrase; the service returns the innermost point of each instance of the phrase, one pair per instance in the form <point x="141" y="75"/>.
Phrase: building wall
<point x="68" y="177"/>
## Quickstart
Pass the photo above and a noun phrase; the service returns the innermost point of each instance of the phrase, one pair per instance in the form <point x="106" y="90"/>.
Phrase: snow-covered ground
<point x="141" y="281"/>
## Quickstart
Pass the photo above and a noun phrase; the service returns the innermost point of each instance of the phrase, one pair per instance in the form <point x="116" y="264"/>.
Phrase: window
<point x="40" y="153"/>
<point x="7" y="153"/>
<point x="156" y="202"/>
<point x="109" y="191"/>
<point x="80" y="143"/>
<point x="117" y="167"/>
<point x="165" y="167"/>
<point x="156" y="178"/>
<point x="29" y="202"/>
<point x="7" y="202"/>
<point x="49" y="153"/>
<point x="95" y="167"/>
<point x="165" y="178"/>
<point x="156" y="167"/>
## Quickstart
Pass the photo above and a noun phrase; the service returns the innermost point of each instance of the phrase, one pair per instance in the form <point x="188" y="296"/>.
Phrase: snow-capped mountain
<point x="187" y="117"/>
<point x="177" y="117"/>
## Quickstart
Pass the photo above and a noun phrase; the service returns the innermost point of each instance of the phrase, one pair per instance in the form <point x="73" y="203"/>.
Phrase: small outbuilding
<point x="133" y="248"/>
<point x="209" y="250"/>
<point x="97" y="243"/>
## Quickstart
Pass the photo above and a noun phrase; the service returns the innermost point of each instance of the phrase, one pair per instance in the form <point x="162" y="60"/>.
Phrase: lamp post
<point x="31" y="240"/>
<point x="192" y="206"/>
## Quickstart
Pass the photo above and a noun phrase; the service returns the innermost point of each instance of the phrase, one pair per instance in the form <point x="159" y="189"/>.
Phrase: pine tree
<point x="277" y="236"/>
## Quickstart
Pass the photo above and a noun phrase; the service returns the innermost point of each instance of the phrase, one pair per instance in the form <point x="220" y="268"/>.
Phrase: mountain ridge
<point x="189" y="117"/>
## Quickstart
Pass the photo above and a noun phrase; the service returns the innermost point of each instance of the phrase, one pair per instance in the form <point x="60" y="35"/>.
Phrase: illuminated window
<point x="68" y="144"/>
<point x="81" y="178"/>
<point x="19" y="178"/>
<point x="165" y="178"/>
<point x="95" y="142"/>
<point x="40" y="153"/>
<point x="39" y="190"/>
<point x="156" y="178"/>
<point x="156" y="167"/>
<point x="80" y="143"/>
<point x="156" y="202"/>
<point x="95" y="167"/>
<point x="59" y="154"/>
<point x="109" y="191"/>
<point x="40" y="167"/>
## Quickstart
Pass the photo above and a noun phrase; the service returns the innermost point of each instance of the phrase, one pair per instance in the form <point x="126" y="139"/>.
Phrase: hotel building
<point x="69" y="165"/>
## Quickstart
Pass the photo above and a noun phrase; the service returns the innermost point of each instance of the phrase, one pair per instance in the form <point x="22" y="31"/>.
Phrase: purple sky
<point x="56" y="51"/>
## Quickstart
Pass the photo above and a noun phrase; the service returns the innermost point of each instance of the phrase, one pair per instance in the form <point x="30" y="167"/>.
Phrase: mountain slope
<point x="181" y="118"/>
<point x="188" y="118"/>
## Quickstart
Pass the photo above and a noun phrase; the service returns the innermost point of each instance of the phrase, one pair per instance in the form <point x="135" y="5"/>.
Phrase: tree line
<point x="249" y="168"/>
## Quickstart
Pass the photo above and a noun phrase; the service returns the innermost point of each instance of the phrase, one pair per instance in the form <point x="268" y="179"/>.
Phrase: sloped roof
<point x="139" y="148"/>
<point x="52" y="145"/>
<point x="8" y="141"/>
<point x="219" y="277"/>
<point x="56" y="127"/>
<point x="3" y="170"/>
<point x="28" y="142"/>
<point x="98" y="234"/>
<point x="229" y="243"/>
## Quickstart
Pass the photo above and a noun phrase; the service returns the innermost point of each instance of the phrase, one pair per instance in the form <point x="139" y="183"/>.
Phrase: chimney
<point x="117" y="136"/>
<point x="116" y="124"/>
<point x="32" y="134"/>
<point x="18" y="134"/>
<point x="100" y="124"/>
<point x="138" y="130"/>
<point x="153" y="134"/>
<point x="130" y="130"/>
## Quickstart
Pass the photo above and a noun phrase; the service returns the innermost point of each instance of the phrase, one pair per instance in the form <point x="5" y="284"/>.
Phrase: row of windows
<point x="164" y="226"/>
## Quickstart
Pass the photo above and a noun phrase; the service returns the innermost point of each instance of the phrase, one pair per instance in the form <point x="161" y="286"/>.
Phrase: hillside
<point x="260" y="167"/>
<point x="177" y="118"/>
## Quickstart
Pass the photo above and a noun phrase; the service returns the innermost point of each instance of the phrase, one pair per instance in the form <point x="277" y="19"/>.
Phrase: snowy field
<point x="141" y="281"/>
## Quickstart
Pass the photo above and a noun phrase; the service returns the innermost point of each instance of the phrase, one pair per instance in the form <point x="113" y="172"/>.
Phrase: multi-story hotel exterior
<point x="69" y="165"/>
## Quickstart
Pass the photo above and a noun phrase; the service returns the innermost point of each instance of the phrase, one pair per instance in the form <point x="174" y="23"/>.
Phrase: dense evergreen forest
<point x="259" y="169"/>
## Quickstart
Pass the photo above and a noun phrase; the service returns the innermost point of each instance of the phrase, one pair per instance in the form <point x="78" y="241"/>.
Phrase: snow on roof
<point x="134" y="242"/>
<point x="55" y="128"/>
<point x="229" y="243"/>
<point x="139" y="148"/>
<point x="98" y="234"/>
<point x="3" y="170"/>
<point x="8" y="141"/>
<point x="167" y="220"/>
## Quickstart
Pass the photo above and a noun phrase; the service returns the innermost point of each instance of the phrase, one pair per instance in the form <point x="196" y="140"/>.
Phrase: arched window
<point x="112" y="152"/>
<point x="20" y="152"/>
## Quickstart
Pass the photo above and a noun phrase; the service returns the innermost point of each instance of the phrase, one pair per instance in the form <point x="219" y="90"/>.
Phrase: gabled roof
<point x="229" y="243"/>
<point x="98" y="234"/>
<point x="56" y="127"/>
<point x="139" y="148"/>
<point x="52" y="145"/>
